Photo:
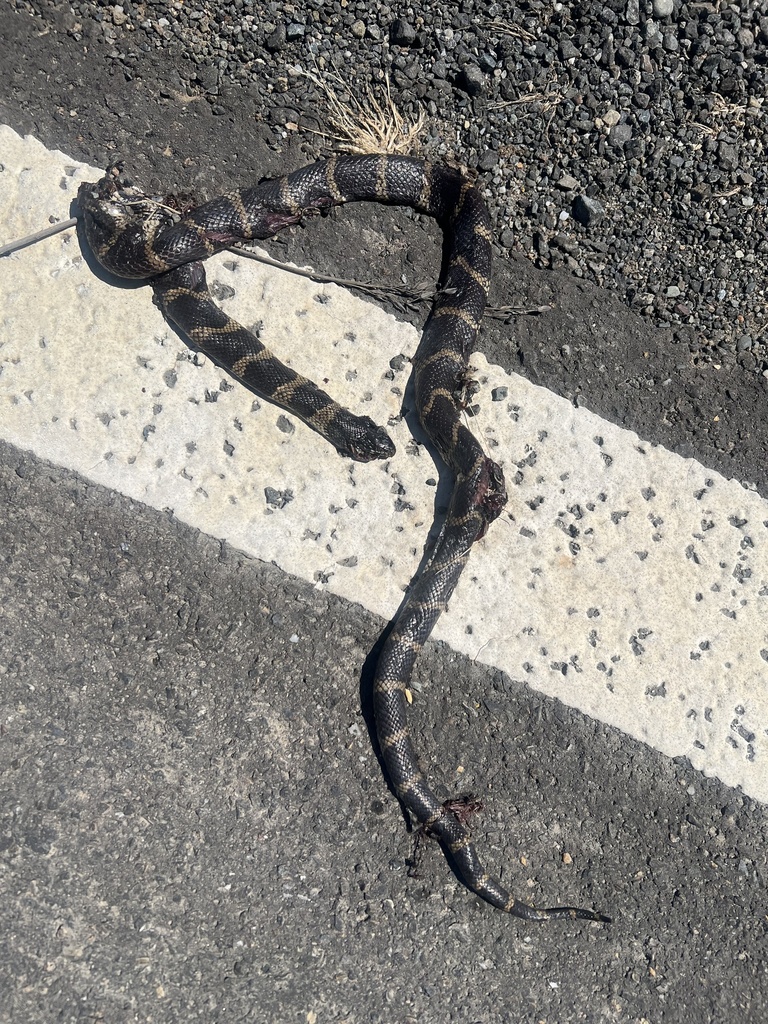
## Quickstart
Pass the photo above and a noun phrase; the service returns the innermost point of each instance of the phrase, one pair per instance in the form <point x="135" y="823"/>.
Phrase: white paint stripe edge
<point x="624" y="580"/>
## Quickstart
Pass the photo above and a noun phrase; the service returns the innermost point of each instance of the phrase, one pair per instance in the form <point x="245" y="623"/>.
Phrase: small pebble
<point x="587" y="211"/>
<point x="402" y="33"/>
<point x="471" y="80"/>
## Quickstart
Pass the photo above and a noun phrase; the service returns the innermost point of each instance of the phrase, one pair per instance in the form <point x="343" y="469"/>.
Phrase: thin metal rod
<point x="22" y="243"/>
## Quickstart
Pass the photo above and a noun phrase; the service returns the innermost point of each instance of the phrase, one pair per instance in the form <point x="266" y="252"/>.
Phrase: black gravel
<point x="622" y="141"/>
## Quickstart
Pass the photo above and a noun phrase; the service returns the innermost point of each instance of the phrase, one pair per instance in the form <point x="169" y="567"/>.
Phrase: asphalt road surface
<point x="195" y="824"/>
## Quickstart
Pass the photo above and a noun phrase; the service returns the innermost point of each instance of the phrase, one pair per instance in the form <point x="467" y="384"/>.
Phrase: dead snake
<point x="136" y="236"/>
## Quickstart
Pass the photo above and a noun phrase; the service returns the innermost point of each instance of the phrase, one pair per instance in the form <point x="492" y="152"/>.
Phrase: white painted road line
<point x="624" y="580"/>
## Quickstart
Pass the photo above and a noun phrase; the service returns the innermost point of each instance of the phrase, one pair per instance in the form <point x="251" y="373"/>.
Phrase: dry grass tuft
<point x="370" y="125"/>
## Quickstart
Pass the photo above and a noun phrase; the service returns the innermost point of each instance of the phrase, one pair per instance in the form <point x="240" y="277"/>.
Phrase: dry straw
<point x="368" y="125"/>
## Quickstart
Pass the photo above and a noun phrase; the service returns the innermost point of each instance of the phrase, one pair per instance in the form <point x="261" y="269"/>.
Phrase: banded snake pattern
<point x="136" y="236"/>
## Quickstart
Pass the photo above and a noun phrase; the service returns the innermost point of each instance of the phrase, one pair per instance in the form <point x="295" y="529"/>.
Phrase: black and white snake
<point x="136" y="236"/>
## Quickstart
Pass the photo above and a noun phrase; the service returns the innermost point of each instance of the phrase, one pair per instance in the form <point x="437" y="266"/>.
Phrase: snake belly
<point x="135" y="236"/>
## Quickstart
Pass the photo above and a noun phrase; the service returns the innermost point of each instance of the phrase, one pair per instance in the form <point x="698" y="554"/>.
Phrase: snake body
<point x="135" y="236"/>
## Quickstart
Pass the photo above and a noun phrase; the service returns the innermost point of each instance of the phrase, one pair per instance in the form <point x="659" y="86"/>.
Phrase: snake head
<point x="358" y="437"/>
<point x="371" y="443"/>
